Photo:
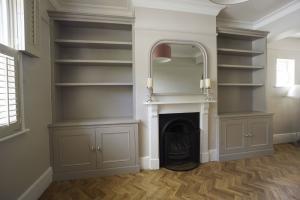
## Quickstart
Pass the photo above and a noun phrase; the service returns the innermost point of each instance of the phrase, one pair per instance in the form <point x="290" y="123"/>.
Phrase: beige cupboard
<point x="245" y="136"/>
<point x="91" y="151"/>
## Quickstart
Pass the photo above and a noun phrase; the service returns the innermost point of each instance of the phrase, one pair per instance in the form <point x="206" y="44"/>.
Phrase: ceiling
<point x="252" y="11"/>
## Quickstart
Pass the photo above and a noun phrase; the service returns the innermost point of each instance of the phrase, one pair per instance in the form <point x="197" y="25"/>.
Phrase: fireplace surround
<point x="179" y="138"/>
<point x="155" y="108"/>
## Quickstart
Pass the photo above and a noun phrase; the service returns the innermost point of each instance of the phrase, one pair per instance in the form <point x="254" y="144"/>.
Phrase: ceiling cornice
<point x="191" y="6"/>
<point x="86" y="7"/>
<point x="277" y="14"/>
<point x="234" y="23"/>
<point x="264" y="21"/>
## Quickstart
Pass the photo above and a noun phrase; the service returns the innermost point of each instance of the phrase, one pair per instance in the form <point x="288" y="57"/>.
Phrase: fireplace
<point x="179" y="141"/>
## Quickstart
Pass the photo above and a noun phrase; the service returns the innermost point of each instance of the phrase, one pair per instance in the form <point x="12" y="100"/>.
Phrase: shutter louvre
<point x="8" y="95"/>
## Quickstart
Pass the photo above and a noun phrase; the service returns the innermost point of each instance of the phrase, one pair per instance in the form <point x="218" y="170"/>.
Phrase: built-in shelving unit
<point x="241" y="70"/>
<point x="244" y="125"/>
<point x="92" y="70"/>
<point x="94" y="131"/>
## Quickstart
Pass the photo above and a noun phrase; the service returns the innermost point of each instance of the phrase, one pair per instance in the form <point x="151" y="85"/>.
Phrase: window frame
<point x="13" y="128"/>
<point x="292" y="83"/>
<point x="15" y="34"/>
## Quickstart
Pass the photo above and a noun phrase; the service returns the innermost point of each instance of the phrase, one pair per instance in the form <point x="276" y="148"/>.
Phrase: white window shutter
<point x="9" y="97"/>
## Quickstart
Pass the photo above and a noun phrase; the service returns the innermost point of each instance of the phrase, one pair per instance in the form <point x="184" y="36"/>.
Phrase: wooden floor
<point x="268" y="177"/>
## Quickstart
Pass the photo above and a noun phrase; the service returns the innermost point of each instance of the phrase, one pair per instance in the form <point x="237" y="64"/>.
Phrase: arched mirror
<point x="177" y="67"/>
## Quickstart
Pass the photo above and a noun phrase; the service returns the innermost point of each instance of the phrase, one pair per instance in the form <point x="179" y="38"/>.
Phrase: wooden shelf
<point x="238" y="52"/>
<point x="240" y="84"/>
<point x="243" y="114"/>
<point x="94" y="62"/>
<point x="92" y="84"/>
<point x="94" y="44"/>
<point x="226" y="66"/>
<point x="91" y="122"/>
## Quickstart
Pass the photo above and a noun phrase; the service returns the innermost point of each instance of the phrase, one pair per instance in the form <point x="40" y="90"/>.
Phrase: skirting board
<point x="146" y="164"/>
<point x="213" y="155"/>
<point x="38" y="187"/>
<point x="285" y="138"/>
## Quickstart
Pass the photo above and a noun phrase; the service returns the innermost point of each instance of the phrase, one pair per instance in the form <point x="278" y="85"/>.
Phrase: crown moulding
<point x="190" y="6"/>
<point x="205" y="7"/>
<point x="93" y="7"/>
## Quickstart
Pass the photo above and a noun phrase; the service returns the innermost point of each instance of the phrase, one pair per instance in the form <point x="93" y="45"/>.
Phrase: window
<point x="285" y="72"/>
<point x="9" y="103"/>
<point x="11" y="40"/>
<point x="12" y="23"/>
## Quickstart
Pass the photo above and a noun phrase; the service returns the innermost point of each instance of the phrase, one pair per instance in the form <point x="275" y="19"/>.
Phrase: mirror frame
<point x="183" y="42"/>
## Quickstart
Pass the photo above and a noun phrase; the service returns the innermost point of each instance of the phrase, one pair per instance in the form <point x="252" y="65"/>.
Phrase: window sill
<point x="14" y="135"/>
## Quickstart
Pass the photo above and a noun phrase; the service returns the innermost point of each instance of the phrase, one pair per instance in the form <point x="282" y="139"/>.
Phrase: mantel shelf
<point x="92" y="84"/>
<point x="239" y="52"/>
<point x="177" y="102"/>
<point x="94" y="43"/>
<point x="227" y="66"/>
<point x="93" y="62"/>
<point x="240" y="84"/>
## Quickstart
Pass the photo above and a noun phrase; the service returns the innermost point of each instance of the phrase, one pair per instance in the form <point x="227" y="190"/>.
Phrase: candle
<point x="149" y="83"/>
<point x="207" y="83"/>
<point x="201" y="84"/>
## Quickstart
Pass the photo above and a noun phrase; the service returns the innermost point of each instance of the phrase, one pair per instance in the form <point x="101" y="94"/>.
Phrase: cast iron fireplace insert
<point x="179" y="141"/>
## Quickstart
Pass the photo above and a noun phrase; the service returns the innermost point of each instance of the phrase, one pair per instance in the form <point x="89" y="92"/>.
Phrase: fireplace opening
<point x="179" y="141"/>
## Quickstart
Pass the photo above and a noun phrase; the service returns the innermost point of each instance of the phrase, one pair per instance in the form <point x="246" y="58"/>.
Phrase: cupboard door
<point x="115" y="147"/>
<point x="260" y="132"/>
<point x="232" y="138"/>
<point x="74" y="149"/>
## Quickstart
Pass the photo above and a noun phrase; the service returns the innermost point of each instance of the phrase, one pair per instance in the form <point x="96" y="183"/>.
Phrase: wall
<point x="25" y="158"/>
<point x="286" y="109"/>
<point x="152" y="25"/>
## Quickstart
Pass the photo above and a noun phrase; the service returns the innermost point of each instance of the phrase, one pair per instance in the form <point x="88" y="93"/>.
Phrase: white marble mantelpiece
<point x="163" y="107"/>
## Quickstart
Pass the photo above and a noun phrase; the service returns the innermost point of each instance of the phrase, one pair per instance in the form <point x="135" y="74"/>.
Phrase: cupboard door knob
<point x="246" y="135"/>
<point x="99" y="148"/>
<point x="92" y="148"/>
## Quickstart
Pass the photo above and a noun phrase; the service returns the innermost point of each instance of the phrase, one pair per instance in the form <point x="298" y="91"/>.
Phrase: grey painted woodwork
<point x="241" y="90"/>
<point x="259" y="132"/>
<point x="83" y="151"/>
<point x="232" y="137"/>
<point x="245" y="135"/>
<point x="115" y="146"/>
<point x="74" y="149"/>
<point x="93" y="132"/>
<point x="245" y="129"/>
<point x="92" y="76"/>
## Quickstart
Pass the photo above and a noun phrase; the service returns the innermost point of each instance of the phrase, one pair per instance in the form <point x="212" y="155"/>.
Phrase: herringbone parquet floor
<point x="269" y="177"/>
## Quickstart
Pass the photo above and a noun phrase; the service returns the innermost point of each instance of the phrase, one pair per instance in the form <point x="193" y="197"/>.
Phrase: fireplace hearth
<point x="179" y="142"/>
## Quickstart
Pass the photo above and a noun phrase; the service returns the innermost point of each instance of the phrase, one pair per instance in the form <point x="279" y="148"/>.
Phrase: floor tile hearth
<point x="267" y="177"/>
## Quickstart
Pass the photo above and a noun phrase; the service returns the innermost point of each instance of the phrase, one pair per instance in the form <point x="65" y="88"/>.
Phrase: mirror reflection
<point x="177" y="68"/>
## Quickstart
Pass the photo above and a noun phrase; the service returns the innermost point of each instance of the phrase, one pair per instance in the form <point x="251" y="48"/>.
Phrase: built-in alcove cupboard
<point x="245" y="127"/>
<point x="94" y="130"/>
